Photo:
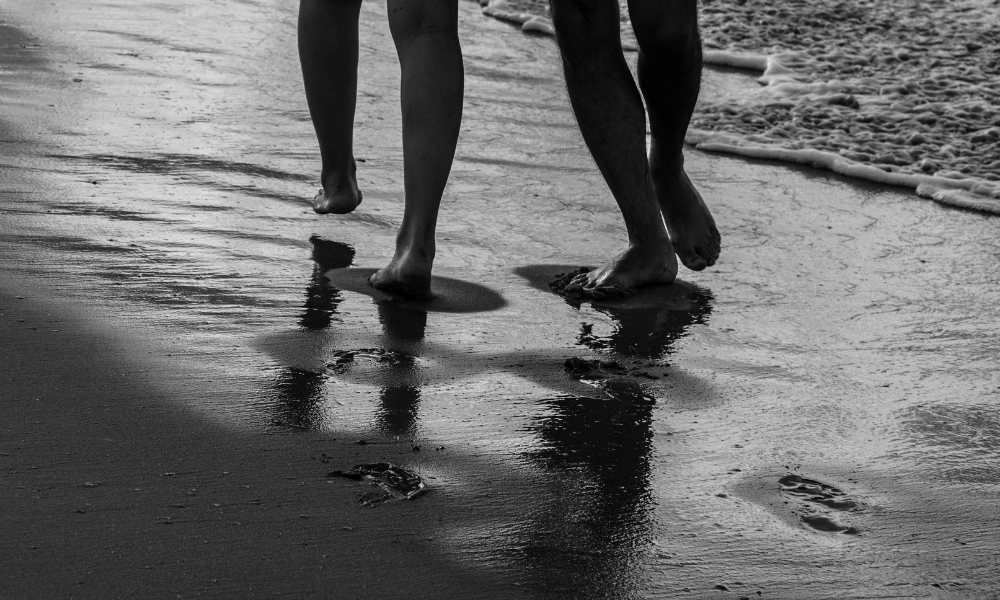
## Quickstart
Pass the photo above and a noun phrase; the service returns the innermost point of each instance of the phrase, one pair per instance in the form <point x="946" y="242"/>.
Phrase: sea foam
<point x="892" y="91"/>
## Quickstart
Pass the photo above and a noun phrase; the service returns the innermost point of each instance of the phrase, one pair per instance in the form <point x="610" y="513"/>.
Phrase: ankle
<point x="338" y="176"/>
<point x="417" y="250"/>
<point x="651" y="241"/>
<point x="665" y="165"/>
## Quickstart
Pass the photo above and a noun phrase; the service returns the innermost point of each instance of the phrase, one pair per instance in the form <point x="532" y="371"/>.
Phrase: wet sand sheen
<point x="846" y="339"/>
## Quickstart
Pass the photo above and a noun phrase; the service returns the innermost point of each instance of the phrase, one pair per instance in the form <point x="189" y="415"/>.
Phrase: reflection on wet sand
<point x="299" y="394"/>
<point x="601" y="450"/>
<point x="649" y="331"/>
<point x="596" y="447"/>
<point x="398" y="402"/>
<point x="395" y="365"/>
<point x="322" y="299"/>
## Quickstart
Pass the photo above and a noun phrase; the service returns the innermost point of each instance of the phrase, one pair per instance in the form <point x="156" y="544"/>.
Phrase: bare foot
<point x="408" y="274"/>
<point x="690" y="224"/>
<point x="639" y="265"/>
<point x="340" y="194"/>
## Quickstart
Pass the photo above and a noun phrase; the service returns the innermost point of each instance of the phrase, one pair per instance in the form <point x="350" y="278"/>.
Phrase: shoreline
<point x="214" y="333"/>
<point x="952" y="188"/>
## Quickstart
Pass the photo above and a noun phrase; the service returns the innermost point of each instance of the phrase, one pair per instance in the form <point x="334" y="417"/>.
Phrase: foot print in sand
<point x="609" y="377"/>
<point x="822" y="499"/>
<point x="345" y="358"/>
<point x="394" y="483"/>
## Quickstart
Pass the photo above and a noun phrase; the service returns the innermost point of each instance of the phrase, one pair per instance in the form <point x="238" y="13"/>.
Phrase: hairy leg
<point x="328" y="51"/>
<point x="609" y="110"/>
<point x="670" y="77"/>
<point x="433" y="79"/>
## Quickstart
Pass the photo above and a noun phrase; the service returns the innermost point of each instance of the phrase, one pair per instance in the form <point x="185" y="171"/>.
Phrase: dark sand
<point x="193" y="350"/>
<point x="109" y="491"/>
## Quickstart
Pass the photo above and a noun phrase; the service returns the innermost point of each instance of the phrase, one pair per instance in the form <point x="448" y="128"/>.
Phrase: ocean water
<point x="894" y="91"/>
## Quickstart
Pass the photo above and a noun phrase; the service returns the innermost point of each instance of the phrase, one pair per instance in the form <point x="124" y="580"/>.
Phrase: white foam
<point x="757" y="62"/>
<point x="840" y="92"/>
<point x="962" y="198"/>
<point x="505" y="11"/>
<point x="883" y="90"/>
<point x="539" y="24"/>
<point x="968" y="193"/>
<point x="500" y="9"/>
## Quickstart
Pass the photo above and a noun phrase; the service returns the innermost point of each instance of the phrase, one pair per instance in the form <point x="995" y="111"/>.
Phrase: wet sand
<point x="189" y="351"/>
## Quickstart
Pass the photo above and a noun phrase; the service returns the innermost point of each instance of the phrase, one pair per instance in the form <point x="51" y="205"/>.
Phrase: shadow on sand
<point x="594" y="436"/>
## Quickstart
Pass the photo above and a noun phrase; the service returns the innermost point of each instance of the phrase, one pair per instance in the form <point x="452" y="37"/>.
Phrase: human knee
<point x="669" y="29"/>
<point x="410" y="18"/>
<point x="585" y="22"/>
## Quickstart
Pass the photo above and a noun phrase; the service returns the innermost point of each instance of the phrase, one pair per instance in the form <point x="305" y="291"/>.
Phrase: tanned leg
<point x="670" y="76"/>
<point x="610" y="113"/>
<point x="426" y="36"/>
<point x="328" y="51"/>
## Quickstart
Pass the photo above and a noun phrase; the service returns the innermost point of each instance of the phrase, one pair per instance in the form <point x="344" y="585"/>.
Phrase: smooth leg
<point x="669" y="69"/>
<point x="328" y="51"/>
<point x="433" y="79"/>
<point x="610" y="113"/>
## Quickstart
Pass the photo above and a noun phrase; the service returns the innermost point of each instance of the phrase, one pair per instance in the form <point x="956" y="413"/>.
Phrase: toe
<point x="578" y="283"/>
<point x="694" y="261"/>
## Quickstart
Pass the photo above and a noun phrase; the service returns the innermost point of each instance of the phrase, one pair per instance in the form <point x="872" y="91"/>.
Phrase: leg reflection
<point x="592" y="539"/>
<point x="649" y="332"/>
<point x="298" y="397"/>
<point x="402" y="331"/>
<point x="397" y="413"/>
<point x="322" y="299"/>
<point x="603" y="520"/>
<point x="321" y="302"/>
<point x="297" y="394"/>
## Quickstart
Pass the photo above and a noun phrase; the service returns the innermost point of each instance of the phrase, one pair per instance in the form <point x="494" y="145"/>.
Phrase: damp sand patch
<point x="889" y="91"/>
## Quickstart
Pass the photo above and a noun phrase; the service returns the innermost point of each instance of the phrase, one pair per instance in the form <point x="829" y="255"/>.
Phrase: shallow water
<point x="889" y="91"/>
<point x="848" y="337"/>
<point x="903" y="88"/>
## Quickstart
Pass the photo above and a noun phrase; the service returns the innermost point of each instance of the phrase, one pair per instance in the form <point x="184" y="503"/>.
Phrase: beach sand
<point x="189" y="352"/>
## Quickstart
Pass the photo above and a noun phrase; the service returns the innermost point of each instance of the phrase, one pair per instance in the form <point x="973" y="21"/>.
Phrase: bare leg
<point x="328" y="51"/>
<point x="433" y="78"/>
<point x="609" y="110"/>
<point x="670" y="76"/>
